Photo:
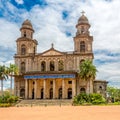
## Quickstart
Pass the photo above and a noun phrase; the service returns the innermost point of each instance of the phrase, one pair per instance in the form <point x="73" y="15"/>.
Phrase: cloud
<point x="55" y="23"/>
<point x="19" y="1"/>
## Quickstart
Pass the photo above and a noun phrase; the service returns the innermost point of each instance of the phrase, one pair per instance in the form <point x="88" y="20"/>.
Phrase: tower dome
<point x="27" y="25"/>
<point x="83" y="19"/>
<point x="27" y="29"/>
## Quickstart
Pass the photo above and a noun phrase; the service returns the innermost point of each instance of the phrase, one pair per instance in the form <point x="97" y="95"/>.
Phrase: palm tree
<point x="3" y="76"/>
<point x="87" y="72"/>
<point x="13" y="70"/>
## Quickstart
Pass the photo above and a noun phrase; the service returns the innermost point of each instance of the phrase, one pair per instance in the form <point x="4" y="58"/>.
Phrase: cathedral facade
<point x="53" y="74"/>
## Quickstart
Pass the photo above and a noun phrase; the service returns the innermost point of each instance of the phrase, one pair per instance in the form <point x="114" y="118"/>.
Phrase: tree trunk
<point x="1" y="87"/>
<point x="11" y="85"/>
<point x="89" y="86"/>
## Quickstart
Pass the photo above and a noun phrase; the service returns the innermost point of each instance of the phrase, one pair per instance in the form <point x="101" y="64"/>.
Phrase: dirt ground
<point x="61" y="113"/>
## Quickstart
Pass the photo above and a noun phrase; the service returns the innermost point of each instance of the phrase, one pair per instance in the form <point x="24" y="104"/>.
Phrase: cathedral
<point x="53" y="74"/>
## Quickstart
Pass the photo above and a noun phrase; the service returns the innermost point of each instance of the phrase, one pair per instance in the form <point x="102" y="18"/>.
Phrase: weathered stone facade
<point x="53" y="74"/>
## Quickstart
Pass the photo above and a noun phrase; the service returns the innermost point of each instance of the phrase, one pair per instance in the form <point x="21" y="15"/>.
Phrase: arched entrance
<point x="22" y="93"/>
<point x="69" y="93"/>
<point x="42" y="93"/>
<point x="33" y="93"/>
<point x="60" y="93"/>
<point x="51" y="93"/>
<point x="82" y="90"/>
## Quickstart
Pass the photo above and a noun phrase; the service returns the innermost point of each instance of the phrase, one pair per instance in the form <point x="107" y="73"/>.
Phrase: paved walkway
<point x="61" y="113"/>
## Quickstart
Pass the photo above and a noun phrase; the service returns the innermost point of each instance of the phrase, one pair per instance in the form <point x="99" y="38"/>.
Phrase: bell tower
<point x="83" y="40"/>
<point x="26" y="44"/>
<point x="27" y="29"/>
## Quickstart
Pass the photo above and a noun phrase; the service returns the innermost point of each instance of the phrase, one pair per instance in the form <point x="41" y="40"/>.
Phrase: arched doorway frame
<point x="33" y="94"/>
<point x="22" y="93"/>
<point x="60" y="93"/>
<point x="82" y="90"/>
<point x="51" y="93"/>
<point x="42" y="93"/>
<point x="69" y="93"/>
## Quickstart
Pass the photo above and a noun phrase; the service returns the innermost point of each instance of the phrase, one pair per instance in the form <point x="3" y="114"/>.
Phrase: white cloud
<point x="9" y="32"/>
<point x="19" y="1"/>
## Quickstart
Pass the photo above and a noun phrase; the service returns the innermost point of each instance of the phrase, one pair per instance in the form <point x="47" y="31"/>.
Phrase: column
<point x="18" y="88"/>
<point x="73" y="88"/>
<point x="14" y="87"/>
<point x="44" y="86"/>
<point x="54" y="89"/>
<point x="47" y="65"/>
<point x="63" y="88"/>
<point x="90" y="86"/>
<point x="35" y="89"/>
<point x="56" y="65"/>
<point x="26" y="88"/>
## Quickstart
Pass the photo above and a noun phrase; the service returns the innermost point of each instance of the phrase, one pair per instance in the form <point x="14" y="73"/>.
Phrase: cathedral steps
<point x="52" y="102"/>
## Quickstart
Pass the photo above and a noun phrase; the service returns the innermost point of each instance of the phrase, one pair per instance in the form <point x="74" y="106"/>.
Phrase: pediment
<point x="51" y="52"/>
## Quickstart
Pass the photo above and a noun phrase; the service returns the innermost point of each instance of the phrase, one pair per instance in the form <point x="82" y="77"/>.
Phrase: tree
<point x="13" y="70"/>
<point x="87" y="71"/>
<point x="3" y="76"/>
<point x="113" y="93"/>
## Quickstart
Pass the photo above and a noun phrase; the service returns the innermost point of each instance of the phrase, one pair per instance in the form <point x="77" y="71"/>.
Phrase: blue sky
<point x="54" y="22"/>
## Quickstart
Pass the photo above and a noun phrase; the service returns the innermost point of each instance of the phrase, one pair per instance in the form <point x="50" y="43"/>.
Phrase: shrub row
<point x="7" y="98"/>
<point x="83" y="99"/>
<point x="5" y="104"/>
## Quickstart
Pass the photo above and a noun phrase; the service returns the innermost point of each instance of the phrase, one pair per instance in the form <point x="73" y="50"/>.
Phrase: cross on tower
<point x="83" y="12"/>
<point x="52" y="45"/>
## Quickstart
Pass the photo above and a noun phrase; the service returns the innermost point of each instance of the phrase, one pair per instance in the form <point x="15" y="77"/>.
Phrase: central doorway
<point x="69" y="93"/>
<point x="60" y="93"/>
<point x="33" y="93"/>
<point x="51" y="93"/>
<point x="42" y="93"/>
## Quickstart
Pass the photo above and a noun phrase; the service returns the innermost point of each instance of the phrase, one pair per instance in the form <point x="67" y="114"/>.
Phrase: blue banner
<point x="48" y="76"/>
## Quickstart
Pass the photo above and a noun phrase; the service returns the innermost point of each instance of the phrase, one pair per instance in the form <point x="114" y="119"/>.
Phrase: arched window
<point x="24" y="34"/>
<point x="52" y="66"/>
<point x="43" y="66"/>
<point x="82" y="46"/>
<point x="23" y="49"/>
<point x="100" y="87"/>
<point x="82" y="29"/>
<point x="82" y="90"/>
<point x="82" y="61"/>
<point x="60" y="65"/>
<point x="23" y="67"/>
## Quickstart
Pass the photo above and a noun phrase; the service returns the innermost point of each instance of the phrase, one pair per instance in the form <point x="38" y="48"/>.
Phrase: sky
<point x="54" y="21"/>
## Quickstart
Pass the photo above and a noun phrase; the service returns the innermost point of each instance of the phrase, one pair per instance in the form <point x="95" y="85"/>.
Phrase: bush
<point x="5" y="104"/>
<point x="7" y="98"/>
<point x="88" y="99"/>
<point x="96" y="99"/>
<point x="81" y="99"/>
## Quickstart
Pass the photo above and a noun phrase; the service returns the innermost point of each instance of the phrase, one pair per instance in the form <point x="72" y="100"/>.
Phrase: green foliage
<point x="7" y="98"/>
<point x="5" y="104"/>
<point x="83" y="99"/>
<point x="96" y="99"/>
<point x="87" y="70"/>
<point x="113" y="94"/>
